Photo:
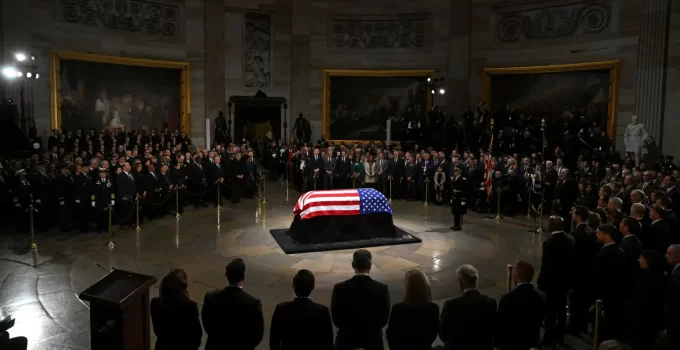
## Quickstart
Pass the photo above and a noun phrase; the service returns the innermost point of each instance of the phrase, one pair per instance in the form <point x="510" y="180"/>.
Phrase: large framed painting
<point x="356" y="104"/>
<point x="108" y="92"/>
<point x="582" y="90"/>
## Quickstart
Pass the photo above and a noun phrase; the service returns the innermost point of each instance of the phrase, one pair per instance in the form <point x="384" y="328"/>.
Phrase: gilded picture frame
<point x="613" y="67"/>
<point x="55" y="95"/>
<point x="326" y="92"/>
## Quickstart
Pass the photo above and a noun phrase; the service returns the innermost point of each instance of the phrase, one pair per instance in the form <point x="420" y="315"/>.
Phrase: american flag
<point x="488" y="170"/>
<point x="361" y="201"/>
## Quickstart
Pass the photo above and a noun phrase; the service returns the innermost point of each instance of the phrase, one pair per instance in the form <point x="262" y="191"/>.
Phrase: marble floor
<point x="39" y="288"/>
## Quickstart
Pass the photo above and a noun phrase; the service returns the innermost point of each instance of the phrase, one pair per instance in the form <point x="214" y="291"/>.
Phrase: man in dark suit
<point x="632" y="246"/>
<point x="126" y="190"/>
<point x="659" y="231"/>
<point x="520" y="312"/>
<point x="467" y="322"/>
<point x="301" y="324"/>
<point x="360" y="307"/>
<point x="341" y="171"/>
<point x="585" y="250"/>
<point x="672" y="301"/>
<point x="232" y="318"/>
<point x="315" y="171"/>
<point x="395" y="171"/>
<point x="610" y="277"/>
<point x="554" y="280"/>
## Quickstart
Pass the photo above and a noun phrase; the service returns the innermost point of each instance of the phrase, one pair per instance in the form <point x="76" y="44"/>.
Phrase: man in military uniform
<point x="179" y="180"/>
<point x="22" y="197"/>
<point x="65" y="187"/>
<point x="101" y="198"/>
<point x="42" y="196"/>
<point x="460" y="188"/>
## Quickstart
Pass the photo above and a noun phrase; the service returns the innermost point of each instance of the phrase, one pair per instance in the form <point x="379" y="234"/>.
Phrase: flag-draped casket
<point x="341" y="215"/>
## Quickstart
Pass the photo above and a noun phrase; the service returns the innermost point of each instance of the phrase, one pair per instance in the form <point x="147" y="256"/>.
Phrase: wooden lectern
<point x="119" y="311"/>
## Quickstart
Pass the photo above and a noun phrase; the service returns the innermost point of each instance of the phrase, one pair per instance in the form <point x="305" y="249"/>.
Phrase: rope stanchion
<point x="110" y="243"/>
<point x="596" y="330"/>
<point x="390" y="179"/>
<point x="508" y="278"/>
<point x="177" y="203"/>
<point x="427" y="186"/>
<point x="314" y="182"/>
<point x="529" y="206"/>
<point x="31" y="210"/>
<point x="498" y="213"/>
<point x="137" y="228"/>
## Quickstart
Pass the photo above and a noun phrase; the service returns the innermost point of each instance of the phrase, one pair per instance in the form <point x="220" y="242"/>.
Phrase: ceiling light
<point x="9" y="72"/>
<point x="20" y="56"/>
<point x="29" y="74"/>
<point x="442" y="91"/>
<point x="432" y="92"/>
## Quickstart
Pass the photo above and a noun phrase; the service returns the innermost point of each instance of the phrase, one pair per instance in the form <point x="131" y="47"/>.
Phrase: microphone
<point x="105" y="269"/>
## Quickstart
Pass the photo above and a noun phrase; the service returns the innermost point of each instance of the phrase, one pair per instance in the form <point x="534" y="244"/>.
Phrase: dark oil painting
<point x="111" y="96"/>
<point x="360" y="106"/>
<point x="554" y="96"/>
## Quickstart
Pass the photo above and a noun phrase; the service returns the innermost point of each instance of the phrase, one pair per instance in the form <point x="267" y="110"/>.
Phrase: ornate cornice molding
<point x="379" y="31"/>
<point x="556" y="20"/>
<point x="135" y="16"/>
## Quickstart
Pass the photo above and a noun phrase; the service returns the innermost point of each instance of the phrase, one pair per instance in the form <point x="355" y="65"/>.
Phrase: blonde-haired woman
<point x="370" y="178"/>
<point x="414" y="322"/>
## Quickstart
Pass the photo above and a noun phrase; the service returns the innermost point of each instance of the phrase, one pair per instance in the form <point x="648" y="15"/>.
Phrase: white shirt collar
<point x="676" y="267"/>
<point x="521" y="283"/>
<point x="608" y="244"/>
<point x="656" y="221"/>
<point x="360" y="274"/>
<point x="468" y="290"/>
<point x="554" y="232"/>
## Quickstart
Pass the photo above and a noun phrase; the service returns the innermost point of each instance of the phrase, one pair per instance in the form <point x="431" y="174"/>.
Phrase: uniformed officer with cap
<point x="102" y="197"/>
<point x="460" y="189"/>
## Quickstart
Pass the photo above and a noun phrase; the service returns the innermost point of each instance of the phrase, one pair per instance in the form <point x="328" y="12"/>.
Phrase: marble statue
<point x="636" y="139"/>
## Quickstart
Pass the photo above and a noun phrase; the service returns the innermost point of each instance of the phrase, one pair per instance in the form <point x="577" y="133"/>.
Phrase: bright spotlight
<point x="429" y="80"/>
<point x="19" y="74"/>
<point x="32" y="58"/>
<point x="442" y="91"/>
<point x="20" y="56"/>
<point x="29" y="74"/>
<point x="432" y="92"/>
<point x="37" y="75"/>
<point x="9" y="72"/>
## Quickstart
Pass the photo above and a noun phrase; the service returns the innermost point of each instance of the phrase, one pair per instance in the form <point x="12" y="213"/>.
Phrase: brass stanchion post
<point x="529" y="206"/>
<point x="540" y="221"/>
<point x="218" y="196"/>
<point x="427" y="185"/>
<point x="353" y="179"/>
<point x="498" y="212"/>
<point x="177" y="203"/>
<point x="110" y="243"/>
<point x="264" y="190"/>
<point x="390" y="179"/>
<point x="31" y="209"/>
<point x="314" y="182"/>
<point x="596" y="331"/>
<point x="137" y="211"/>
<point x="508" y="278"/>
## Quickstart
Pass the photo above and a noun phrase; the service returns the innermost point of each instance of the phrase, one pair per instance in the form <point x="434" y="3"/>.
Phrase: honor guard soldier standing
<point x="65" y="196"/>
<point x="460" y="189"/>
<point x="103" y="195"/>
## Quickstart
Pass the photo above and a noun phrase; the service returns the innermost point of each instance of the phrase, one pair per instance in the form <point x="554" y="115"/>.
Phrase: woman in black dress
<point x="644" y="310"/>
<point x="174" y="315"/>
<point x="414" y="322"/>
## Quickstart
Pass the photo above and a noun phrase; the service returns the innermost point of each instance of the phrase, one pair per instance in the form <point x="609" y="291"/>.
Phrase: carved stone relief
<point x="138" y="16"/>
<point x="379" y="32"/>
<point x="257" y="43"/>
<point x="576" y="18"/>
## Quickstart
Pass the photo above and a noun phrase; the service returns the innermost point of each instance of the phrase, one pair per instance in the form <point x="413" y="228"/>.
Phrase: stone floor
<point x="40" y="288"/>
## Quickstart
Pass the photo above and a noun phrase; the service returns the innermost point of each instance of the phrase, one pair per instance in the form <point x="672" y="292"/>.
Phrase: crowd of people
<point x="634" y="315"/>
<point x="613" y="231"/>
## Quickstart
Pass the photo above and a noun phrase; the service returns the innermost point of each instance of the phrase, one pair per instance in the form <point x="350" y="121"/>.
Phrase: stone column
<point x="215" y="83"/>
<point x="651" y="68"/>
<point x="300" y="52"/>
<point x="459" y="57"/>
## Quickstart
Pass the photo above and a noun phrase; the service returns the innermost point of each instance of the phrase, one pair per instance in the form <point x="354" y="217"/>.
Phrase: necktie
<point x="130" y="176"/>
